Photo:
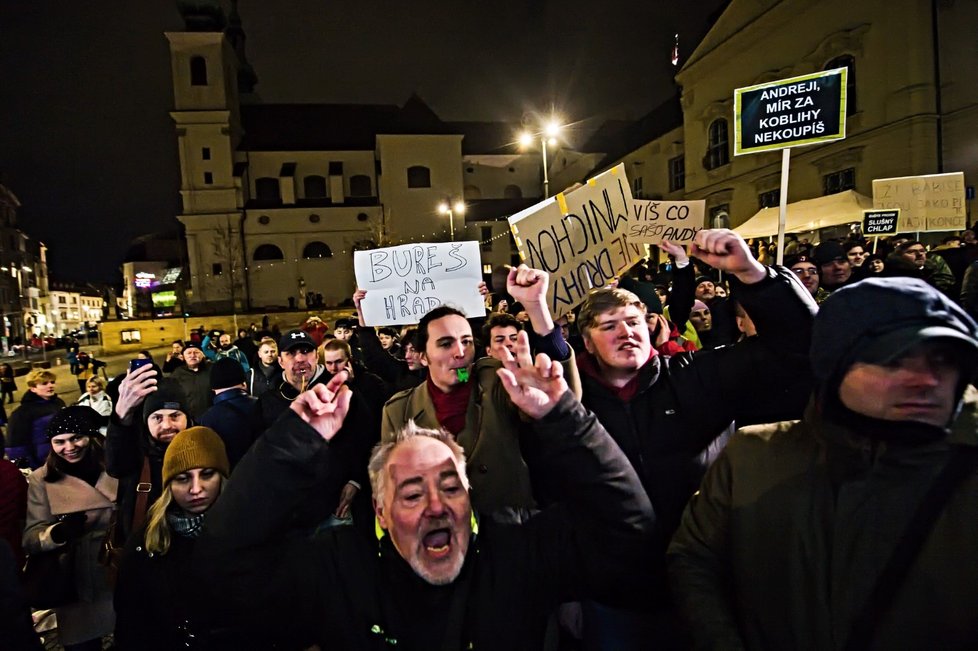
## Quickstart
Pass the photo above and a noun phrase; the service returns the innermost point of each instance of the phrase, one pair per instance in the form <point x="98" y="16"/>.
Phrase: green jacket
<point x="494" y="461"/>
<point x="793" y="524"/>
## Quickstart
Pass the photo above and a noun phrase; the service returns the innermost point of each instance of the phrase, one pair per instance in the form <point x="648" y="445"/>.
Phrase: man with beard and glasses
<point x="438" y="577"/>
<point x="149" y="412"/>
<point x="854" y="527"/>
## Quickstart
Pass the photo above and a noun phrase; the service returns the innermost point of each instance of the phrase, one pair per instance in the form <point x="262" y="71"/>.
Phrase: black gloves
<point x="70" y="527"/>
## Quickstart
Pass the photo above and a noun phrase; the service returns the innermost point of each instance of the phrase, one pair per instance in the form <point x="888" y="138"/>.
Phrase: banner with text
<point x="580" y="238"/>
<point x="880" y="222"/>
<point x="404" y="282"/>
<point x="790" y="112"/>
<point x="933" y="202"/>
<point x="677" y="221"/>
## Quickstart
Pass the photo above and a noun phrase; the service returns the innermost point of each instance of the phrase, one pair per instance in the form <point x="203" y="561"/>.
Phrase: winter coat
<point x="236" y="418"/>
<point x="27" y="431"/>
<point x="91" y="616"/>
<point x="491" y="437"/>
<point x="785" y="541"/>
<point x="343" y="592"/>
<point x="196" y="387"/>
<point x="231" y="353"/>
<point x="13" y="507"/>
<point x="158" y="606"/>
<point x="126" y="446"/>
<point x="259" y="382"/>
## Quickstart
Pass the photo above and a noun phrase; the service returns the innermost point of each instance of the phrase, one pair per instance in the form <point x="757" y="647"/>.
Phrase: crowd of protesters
<point x="714" y="451"/>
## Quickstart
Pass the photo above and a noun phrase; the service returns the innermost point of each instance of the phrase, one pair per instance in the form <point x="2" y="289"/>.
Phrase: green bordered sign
<point x="790" y="112"/>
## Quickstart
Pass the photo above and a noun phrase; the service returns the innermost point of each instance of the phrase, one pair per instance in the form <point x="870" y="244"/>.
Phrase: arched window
<point x="359" y="185"/>
<point x="718" y="149"/>
<point x="316" y="250"/>
<point x="512" y="192"/>
<point x="314" y="187"/>
<point x="268" y="252"/>
<point x="198" y="71"/>
<point x="267" y="189"/>
<point x="419" y="176"/>
<point x="846" y="61"/>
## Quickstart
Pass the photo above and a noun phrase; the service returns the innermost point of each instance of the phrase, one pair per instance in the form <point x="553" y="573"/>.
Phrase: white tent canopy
<point x="809" y="215"/>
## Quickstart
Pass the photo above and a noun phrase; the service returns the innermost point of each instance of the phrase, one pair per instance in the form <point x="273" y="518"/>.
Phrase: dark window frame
<point x="418" y="176"/>
<point x="718" y="145"/>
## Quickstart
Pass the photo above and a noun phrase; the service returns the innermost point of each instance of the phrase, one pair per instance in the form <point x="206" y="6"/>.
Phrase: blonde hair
<point x="40" y="376"/>
<point x="95" y="379"/>
<point x="158" y="535"/>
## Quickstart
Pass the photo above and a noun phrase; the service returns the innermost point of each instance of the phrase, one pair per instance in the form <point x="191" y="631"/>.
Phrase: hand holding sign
<point x="677" y="252"/>
<point x="727" y="251"/>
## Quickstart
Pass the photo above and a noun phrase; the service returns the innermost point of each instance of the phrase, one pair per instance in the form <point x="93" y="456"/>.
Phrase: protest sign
<point x="405" y="282"/>
<point x="933" y="202"/>
<point x="880" y="222"/>
<point x="790" y="112"/>
<point x="579" y="238"/>
<point x="677" y="221"/>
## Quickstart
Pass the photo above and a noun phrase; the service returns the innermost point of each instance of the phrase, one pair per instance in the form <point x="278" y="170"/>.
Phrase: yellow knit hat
<point x="195" y="447"/>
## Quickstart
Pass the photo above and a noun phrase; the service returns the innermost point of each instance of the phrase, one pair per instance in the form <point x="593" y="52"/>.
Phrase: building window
<point x="62" y="300"/>
<point x="677" y="173"/>
<point x="316" y="250"/>
<point x="268" y="252"/>
<point x="198" y="71"/>
<point x="205" y="153"/>
<point x="131" y="336"/>
<point x="839" y="181"/>
<point x="718" y="149"/>
<point x="721" y="212"/>
<point x="314" y="187"/>
<point x="360" y="185"/>
<point x="418" y="176"/>
<point x="313" y="219"/>
<point x="512" y="192"/>
<point x="486" y="238"/>
<point x="267" y="189"/>
<point x="846" y="61"/>
<point x="264" y="220"/>
<point x="769" y="199"/>
<point x="208" y="178"/>
<point x="637" y="191"/>
<point x="217" y="269"/>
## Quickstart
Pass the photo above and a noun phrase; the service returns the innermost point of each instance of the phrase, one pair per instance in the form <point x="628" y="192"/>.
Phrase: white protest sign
<point x="677" y="221"/>
<point x="933" y="202"/>
<point x="405" y="282"/>
<point x="579" y="238"/>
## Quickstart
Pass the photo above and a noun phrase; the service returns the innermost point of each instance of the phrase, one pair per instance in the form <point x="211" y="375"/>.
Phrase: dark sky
<point x="87" y="144"/>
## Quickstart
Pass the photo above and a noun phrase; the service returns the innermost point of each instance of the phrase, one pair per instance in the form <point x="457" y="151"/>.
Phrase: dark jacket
<point x="157" y="608"/>
<point x="196" y="386"/>
<point x="125" y="448"/>
<point x="27" y="431"/>
<point x="345" y="593"/>
<point x="236" y="418"/>
<point x="259" y="381"/>
<point x="391" y="369"/>
<point x="784" y="542"/>
<point x="670" y="429"/>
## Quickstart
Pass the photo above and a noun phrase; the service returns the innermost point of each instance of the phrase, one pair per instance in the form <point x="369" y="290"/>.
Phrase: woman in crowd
<point x="96" y="398"/>
<point x="70" y="500"/>
<point x="8" y="385"/>
<point x="153" y="600"/>
<point x="27" y="441"/>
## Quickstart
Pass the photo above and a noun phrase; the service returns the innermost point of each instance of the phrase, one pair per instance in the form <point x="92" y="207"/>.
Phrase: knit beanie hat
<point x="73" y="420"/>
<point x="225" y="373"/>
<point x="195" y="447"/>
<point x="168" y="395"/>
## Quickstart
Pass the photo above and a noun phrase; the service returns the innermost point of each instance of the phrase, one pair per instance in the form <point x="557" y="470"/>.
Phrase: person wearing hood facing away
<point x="855" y="526"/>
<point x="150" y="412"/>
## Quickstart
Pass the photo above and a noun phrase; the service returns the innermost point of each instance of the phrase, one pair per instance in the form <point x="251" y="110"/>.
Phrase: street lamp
<point x="451" y="209"/>
<point x="548" y="137"/>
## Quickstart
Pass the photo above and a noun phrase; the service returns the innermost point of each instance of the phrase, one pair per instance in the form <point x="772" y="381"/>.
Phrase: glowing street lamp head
<point x="459" y="207"/>
<point x="443" y="208"/>
<point x="526" y="139"/>
<point x="552" y="130"/>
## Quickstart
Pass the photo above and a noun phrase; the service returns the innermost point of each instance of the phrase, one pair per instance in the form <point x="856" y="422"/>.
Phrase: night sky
<point x="87" y="145"/>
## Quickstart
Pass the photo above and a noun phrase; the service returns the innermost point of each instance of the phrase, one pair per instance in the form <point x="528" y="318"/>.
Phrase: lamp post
<point x="449" y="208"/>
<point x="548" y="137"/>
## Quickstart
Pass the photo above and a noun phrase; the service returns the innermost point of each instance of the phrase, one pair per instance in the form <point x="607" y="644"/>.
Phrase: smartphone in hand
<point x="138" y="363"/>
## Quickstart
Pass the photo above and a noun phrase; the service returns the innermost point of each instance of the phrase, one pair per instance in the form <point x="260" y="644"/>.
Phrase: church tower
<point x="206" y="72"/>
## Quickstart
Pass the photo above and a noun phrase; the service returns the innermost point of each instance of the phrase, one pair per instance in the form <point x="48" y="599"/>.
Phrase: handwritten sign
<point x="934" y="202"/>
<point x="580" y="238"/>
<point x="405" y="282"/>
<point x="880" y="222"/>
<point x="676" y="221"/>
<point x="790" y="112"/>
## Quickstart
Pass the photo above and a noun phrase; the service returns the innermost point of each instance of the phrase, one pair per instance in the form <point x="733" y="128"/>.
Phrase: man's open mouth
<point x="437" y="541"/>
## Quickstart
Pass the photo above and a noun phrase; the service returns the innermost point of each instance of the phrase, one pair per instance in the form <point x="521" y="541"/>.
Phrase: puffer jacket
<point x="27" y="432"/>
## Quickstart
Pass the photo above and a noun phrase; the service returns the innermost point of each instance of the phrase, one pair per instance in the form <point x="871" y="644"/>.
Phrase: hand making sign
<point x="580" y="238"/>
<point x="790" y="112"/>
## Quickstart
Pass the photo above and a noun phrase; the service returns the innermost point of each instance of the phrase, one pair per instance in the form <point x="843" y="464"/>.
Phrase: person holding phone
<point x="70" y="500"/>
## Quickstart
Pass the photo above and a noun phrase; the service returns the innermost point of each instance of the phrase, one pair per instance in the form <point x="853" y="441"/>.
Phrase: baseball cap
<point x="294" y="339"/>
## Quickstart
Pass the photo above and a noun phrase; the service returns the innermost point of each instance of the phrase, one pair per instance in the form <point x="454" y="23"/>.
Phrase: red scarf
<point x="588" y="364"/>
<point x="451" y="407"/>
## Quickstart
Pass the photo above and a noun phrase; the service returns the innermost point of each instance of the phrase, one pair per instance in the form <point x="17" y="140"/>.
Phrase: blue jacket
<point x="236" y="419"/>
<point x="233" y="352"/>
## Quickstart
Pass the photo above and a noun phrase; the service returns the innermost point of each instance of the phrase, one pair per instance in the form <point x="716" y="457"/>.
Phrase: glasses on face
<point x="805" y="272"/>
